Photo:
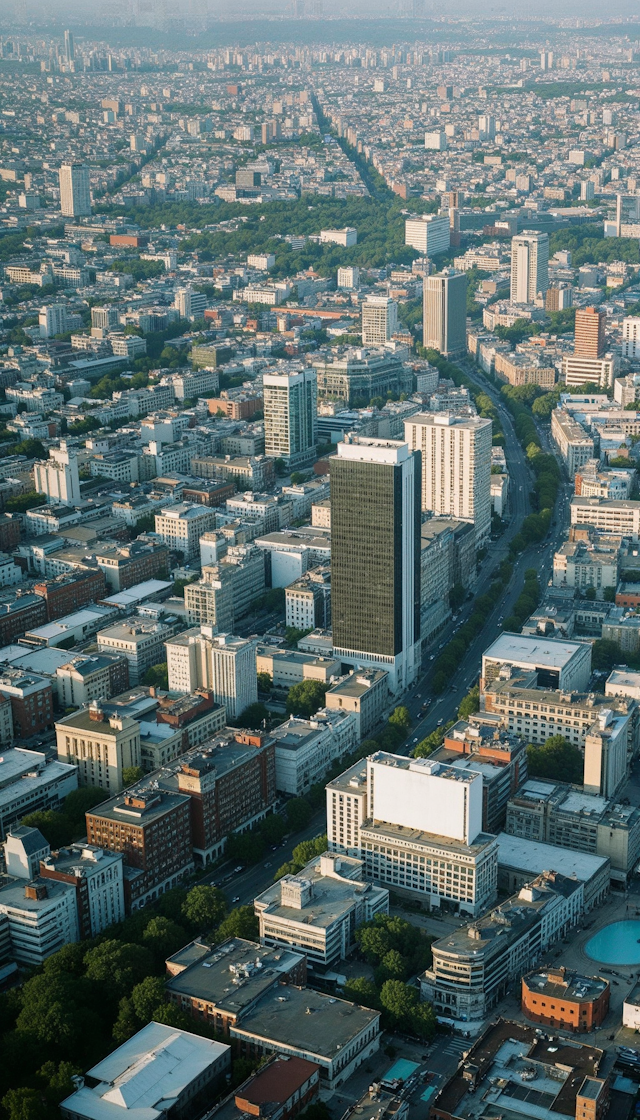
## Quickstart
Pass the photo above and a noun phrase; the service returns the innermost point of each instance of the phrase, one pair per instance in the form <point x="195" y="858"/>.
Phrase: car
<point x="432" y="657"/>
<point x="416" y="739"/>
<point x="440" y="722"/>
<point x="236" y="898"/>
<point x="425" y="705"/>
<point x="238" y="869"/>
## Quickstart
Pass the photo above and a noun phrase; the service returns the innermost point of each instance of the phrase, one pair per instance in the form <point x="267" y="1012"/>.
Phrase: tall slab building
<point x="375" y="556"/>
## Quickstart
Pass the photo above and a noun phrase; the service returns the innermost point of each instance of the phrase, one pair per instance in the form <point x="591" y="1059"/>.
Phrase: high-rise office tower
<point x="529" y="266"/>
<point x="379" y="320"/>
<point x="75" y="195"/>
<point x="375" y="556"/>
<point x="456" y="466"/>
<point x="590" y="340"/>
<point x="290" y="410"/>
<point x="445" y="311"/>
<point x="69" y="47"/>
<point x="58" y="476"/>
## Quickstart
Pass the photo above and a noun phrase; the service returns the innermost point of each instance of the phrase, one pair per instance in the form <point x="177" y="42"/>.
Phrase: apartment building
<point x="88" y="677"/>
<point x="428" y="233"/>
<point x="97" y="876"/>
<point x="317" y="911"/>
<point x="536" y="713"/>
<point x="152" y="829"/>
<point x="29" y="781"/>
<point x="571" y="439"/>
<point x="21" y="614"/>
<point x="36" y="919"/>
<point x="456" y="466"/>
<point x="100" y="747"/>
<point x="209" y="600"/>
<point x="67" y="593"/>
<point x="142" y="643"/>
<point x="365" y="692"/>
<point x="555" y="813"/>
<point x="619" y="518"/>
<point x="201" y="658"/>
<point x="306" y="748"/>
<point x="290" y="407"/>
<point x="308" y="600"/>
<point x="31" y="699"/>
<point x="181" y="525"/>
<point x="579" y="370"/>
<point x="379" y="320"/>
<point x="581" y="565"/>
<point x="474" y="966"/>
<point x="125" y="565"/>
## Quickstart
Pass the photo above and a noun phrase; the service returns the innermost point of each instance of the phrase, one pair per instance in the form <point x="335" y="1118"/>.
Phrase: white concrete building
<point x="445" y="312"/>
<point x="456" y="466"/>
<point x="559" y="664"/>
<point x="52" y="320"/>
<point x="529" y="266"/>
<point x="306" y="748"/>
<point x="181" y="525"/>
<point x="58" y="476"/>
<point x="29" y="781"/>
<point x="318" y="910"/>
<point x="428" y="233"/>
<point x="345" y="237"/>
<point x="631" y="337"/>
<point x="577" y="369"/>
<point x="619" y="518"/>
<point x="349" y="277"/>
<point x="98" y="878"/>
<point x="75" y="193"/>
<point x="571" y="439"/>
<point x="290" y="416"/>
<point x="379" y="320"/>
<point x="139" y="641"/>
<point x="201" y="658"/>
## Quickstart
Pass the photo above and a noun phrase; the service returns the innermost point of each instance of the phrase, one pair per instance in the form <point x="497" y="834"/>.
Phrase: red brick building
<point x="24" y="613"/>
<point x="282" y="1089"/>
<point x="129" y="240"/>
<point x="241" y="407"/>
<point x="9" y="531"/>
<point x="133" y="563"/>
<point x="68" y="593"/>
<point x="210" y="493"/>
<point x="31" y="699"/>
<point x="557" y="997"/>
<point x="152" y="829"/>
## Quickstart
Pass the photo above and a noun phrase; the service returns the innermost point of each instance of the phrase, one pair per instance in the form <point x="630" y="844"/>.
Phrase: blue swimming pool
<point x="428" y="1093"/>
<point x="401" y="1070"/>
<point x="618" y="943"/>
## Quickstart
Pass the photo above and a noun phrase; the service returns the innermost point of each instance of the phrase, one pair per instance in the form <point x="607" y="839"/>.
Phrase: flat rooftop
<point x="381" y="831"/>
<point x="311" y="1021"/>
<point x="550" y="652"/>
<point x="533" y="857"/>
<point x="232" y="975"/>
<point x="560" y="983"/>
<point x="332" y="896"/>
<point x="352" y="780"/>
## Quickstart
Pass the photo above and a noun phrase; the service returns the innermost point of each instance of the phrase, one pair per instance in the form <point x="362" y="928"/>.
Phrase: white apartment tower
<point x="200" y="658"/>
<point x="456" y="466"/>
<point x="428" y="233"/>
<point x="529" y="266"/>
<point x="445" y="312"/>
<point x="631" y="336"/>
<point x="52" y="320"/>
<point x="75" y="193"/>
<point x="290" y="411"/>
<point x="379" y="320"/>
<point x="58" y="476"/>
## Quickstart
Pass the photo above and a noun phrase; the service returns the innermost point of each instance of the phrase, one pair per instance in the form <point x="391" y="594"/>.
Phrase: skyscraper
<point x="590" y="340"/>
<point x="58" y="476"/>
<point x="529" y="266"/>
<point x="75" y="195"/>
<point x="69" y="47"/>
<point x="290" y="409"/>
<point x="456" y="466"/>
<point x="379" y="320"/>
<point x="445" y="311"/>
<point x="375" y="556"/>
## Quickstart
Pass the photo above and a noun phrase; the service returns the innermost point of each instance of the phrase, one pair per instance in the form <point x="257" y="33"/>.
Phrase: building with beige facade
<point x="180" y="527"/>
<point x="456" y="466"/>
<point x="100" y="746"/>
<point x="572" y="441"/>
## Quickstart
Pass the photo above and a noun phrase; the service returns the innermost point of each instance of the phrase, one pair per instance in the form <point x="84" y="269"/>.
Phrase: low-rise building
<point x="308" y="600"/>
<point x="200" y="978"/>
<point x="88" y="677"/>
<point x="557" y="997"/>
<point x="520" y="861"/>
<point x="306" y="748"/>
<point x="31" y="699"/>
<point x="37" y="918"/>
<point x="559" y="664"/>
<point x="317" y="911"/>
<point x="100" y="747"/>
<point x="284" y="1087"/>
<point x="563" y="1075"/>
<point x="581" y="565"/>
<point x="287" y="667"/>
<point x="474" y="966"/>
<point x="365" y="692"/>
<point x="573" y="442"/>
<point x="161" y="1071"/>
<point x="142" y="643"/>
<point x="29" y="782"/>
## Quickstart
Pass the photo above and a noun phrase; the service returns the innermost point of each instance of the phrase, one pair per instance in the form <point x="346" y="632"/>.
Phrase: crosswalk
<point x="456" y="1046"/>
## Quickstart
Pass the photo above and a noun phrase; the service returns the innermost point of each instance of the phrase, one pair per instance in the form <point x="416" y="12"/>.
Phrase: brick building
<point x="31" y="699"/>
<point x="231" y="784"/>
<point x="283" y="1087"/>
<point x="152" y="829"/>
<point x="128" y="564"/>
<point x="68" y="593"/>
<point x="557" y="997"/>
<point x="9" y="531"/>
<point x="24" y="612"/>
<point x="88" y="677"/>
<point x="210" y="493"/>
